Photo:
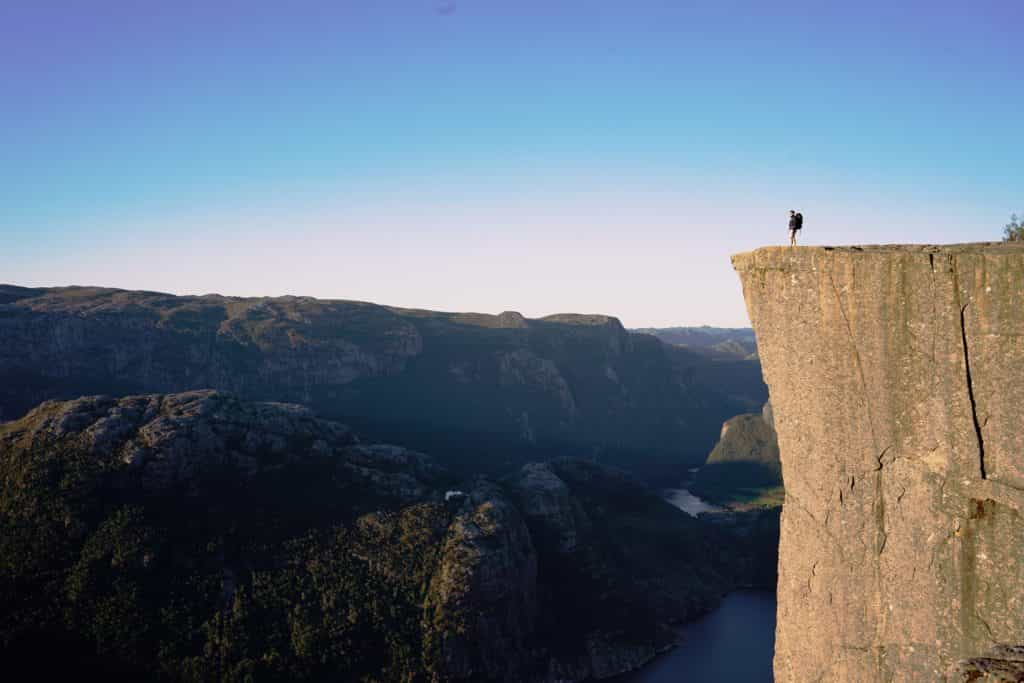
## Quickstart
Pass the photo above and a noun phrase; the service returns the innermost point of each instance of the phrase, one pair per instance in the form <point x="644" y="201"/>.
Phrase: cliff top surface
<point x="748" y="259"/>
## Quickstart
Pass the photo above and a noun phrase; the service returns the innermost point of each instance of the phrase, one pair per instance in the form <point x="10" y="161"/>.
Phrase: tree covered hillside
<point x="197" y="537"/>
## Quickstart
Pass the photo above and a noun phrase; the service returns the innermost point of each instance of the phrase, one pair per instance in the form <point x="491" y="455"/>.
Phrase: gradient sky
<point x="490" y="155"/>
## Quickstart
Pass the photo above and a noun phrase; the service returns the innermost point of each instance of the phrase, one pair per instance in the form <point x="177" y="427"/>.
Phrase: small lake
<point x="687" y="502"/>
<point x="733" y="644"/>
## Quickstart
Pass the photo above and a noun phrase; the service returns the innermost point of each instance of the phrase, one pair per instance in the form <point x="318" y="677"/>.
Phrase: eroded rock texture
<point x="482" y="604"/>
<point x="897" y="388"/>
<point x="160" y="441"/>
<point x="1001" y="664"/>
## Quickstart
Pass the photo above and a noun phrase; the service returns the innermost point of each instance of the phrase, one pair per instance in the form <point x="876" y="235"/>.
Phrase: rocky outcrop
<point x="897" y="392"/>
<point x="526" y="369"/>
<point x="745" y="458"/>
<point x="616" y="565"/>
<point x="552" y="577"/>
<point x="481" y="608"/>
<point x="169" y="440"/>
<point x="544" y="499"/>
<point x="1001" y="664"/>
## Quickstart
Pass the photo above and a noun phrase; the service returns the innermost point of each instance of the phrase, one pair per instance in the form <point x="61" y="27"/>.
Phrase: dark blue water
<point x="733" y="644"/>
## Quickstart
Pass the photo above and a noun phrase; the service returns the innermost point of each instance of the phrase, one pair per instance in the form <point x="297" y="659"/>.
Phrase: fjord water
<point x="733" y="644"/>
<point x="687" y="502"/>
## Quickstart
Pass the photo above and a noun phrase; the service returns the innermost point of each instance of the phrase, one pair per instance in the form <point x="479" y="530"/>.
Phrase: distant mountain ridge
<point x="488" y="391"/>
<point x="715" y="342"/>
<point x="731" y="350"/>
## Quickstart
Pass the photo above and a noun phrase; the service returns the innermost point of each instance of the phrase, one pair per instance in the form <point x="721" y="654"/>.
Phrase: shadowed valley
<point x="483" y="392"/>
<point x="209" y="519"/>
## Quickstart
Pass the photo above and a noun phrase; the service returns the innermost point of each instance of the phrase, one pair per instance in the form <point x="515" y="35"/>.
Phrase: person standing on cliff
<point x="796" y="222"/>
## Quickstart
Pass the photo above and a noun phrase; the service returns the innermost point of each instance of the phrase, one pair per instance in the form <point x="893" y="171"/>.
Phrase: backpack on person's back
<point x="796" y="221"/>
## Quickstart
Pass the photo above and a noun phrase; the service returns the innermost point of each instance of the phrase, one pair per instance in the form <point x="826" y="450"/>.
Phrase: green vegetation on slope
<point x="1014" y="230"/>
<point x="200" y="537"/>
<point x="226" y="568"/>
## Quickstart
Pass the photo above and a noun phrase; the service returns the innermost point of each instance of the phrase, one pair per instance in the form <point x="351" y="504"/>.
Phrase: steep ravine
<point x="896" y="379"/>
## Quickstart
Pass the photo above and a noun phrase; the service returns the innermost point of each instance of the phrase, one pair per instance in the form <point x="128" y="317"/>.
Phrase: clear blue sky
<point x="541" y="156"/>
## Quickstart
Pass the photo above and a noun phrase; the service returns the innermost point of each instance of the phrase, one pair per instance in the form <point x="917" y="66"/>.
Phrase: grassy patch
<point x="749" y="498"/>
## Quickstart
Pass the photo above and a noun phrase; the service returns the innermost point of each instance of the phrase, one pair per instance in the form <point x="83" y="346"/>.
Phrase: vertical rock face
<point x="545" y="501"/>
<point x="482" y="603"/>
<point x="897" y="384"/>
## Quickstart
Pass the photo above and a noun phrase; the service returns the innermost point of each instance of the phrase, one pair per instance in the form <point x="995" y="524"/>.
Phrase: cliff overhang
<point x="895" y="375"/>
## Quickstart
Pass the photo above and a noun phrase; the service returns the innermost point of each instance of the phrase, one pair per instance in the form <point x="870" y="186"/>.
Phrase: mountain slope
<point x="487" y="392"/>
<point x="197" y="536"/>
<point x="729" y="359"/>
<point x="745" y="459"/>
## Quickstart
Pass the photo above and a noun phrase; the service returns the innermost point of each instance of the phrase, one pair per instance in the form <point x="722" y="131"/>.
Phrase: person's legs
<point x="792" y="238"/>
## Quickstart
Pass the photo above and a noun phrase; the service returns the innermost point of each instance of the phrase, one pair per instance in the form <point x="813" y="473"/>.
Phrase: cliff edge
<point x="896" y="376"/>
